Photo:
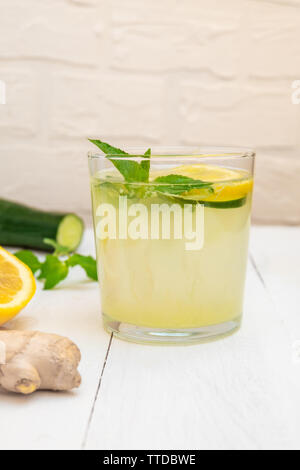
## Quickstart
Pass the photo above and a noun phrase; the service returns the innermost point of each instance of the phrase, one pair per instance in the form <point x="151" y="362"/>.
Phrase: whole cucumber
<point x="27" y="227"/>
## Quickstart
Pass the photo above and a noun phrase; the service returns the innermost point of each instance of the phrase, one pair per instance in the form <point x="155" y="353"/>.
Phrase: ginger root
<point x="31" y="361"/>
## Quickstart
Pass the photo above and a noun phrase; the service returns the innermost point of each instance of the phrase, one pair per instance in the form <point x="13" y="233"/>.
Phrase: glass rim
<point x="175" y="153"/>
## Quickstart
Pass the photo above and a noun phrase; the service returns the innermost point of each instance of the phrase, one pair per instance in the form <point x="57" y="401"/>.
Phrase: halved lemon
<point x="17" y="286"/>
<point x="228" y="184"/>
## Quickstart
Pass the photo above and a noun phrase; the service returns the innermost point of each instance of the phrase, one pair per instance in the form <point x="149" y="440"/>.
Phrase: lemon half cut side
<point x="17" y="286"/>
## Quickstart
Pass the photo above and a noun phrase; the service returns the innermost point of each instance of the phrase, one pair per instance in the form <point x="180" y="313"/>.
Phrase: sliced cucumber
<point x="69" y="232"/>
<point x="213" y="204"/>
<point x="225" y="204"/>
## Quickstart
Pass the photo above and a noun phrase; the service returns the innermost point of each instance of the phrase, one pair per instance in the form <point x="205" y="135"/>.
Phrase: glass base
<point x="141" y="334"/>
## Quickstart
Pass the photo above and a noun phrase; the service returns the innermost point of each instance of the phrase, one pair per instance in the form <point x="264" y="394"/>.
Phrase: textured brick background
<point x="147" y="72"/>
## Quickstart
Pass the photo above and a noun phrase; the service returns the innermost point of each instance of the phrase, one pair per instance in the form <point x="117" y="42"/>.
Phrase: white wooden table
<point x="242" y="392"/>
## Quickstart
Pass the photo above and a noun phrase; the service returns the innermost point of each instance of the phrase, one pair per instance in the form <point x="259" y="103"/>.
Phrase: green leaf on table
<point x="178" y="184"/>
<point x="86" y="262"/>
<point x="53" y="271"/>
<point x="132" y="170"/>
<point x="30" y="259"/>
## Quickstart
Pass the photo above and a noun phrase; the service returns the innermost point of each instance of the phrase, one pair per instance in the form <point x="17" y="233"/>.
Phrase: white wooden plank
<point x="276" y="253"/>
<point x="58" y="420"/>
<point x="237" y="393"/>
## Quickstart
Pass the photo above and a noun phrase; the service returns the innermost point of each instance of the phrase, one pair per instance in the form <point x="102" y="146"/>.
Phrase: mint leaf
<point x="107" y="149"/>
<point x="53" y="271"/>
<point x="145" y="165"/>
<point x="147" y="153"/>
<point x="178" y="184"/>
<point x="86" y="262"/>
<point x="59" y="250"/>
<point x="28" y="258"/>
<point x="130" y="169"/>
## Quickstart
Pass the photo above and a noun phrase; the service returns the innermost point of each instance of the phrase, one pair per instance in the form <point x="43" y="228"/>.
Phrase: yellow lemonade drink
<point x="172" y="253"/>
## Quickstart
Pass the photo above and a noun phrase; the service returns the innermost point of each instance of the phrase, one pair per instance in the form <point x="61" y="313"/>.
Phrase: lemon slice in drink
<point x="230" y="187"/>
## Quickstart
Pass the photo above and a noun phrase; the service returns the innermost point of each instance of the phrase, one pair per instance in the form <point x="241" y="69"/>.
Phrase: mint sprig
<point x="55" y="268"/>
<point x="132" y="170"/>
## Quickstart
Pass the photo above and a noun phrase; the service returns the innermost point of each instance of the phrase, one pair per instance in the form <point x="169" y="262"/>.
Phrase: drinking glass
<point x="172" y="248"/>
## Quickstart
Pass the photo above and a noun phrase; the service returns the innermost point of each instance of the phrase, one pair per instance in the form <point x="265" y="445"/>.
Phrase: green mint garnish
<point x="178" y="184"/>
<point x="132" y="171"/>
<point x="145" y="164"/>
<point x="53" y="269"/>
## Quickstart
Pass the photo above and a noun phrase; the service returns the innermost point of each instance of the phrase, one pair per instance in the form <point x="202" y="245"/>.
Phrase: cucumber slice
<point x="225" y="204"/>
<point x="213" y="204"/>
<point x="69" y="232"/>
<point x="27" y="227"/>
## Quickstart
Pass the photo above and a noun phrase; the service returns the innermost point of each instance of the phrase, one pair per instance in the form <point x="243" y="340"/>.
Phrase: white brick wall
<point x="147" y="72"/>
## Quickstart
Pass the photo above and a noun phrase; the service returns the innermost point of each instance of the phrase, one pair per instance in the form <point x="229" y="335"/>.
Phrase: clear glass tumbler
<point x="171" y="235"/>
